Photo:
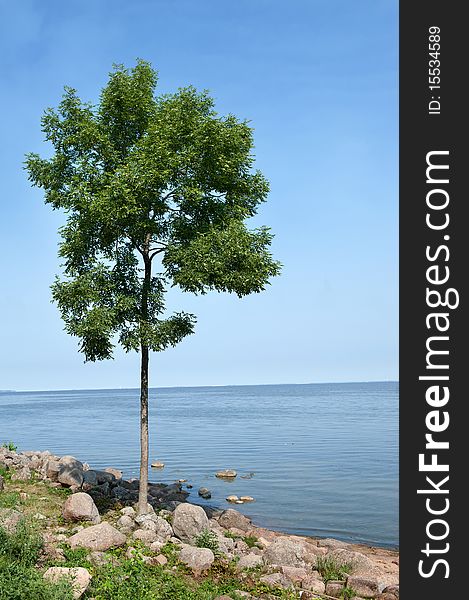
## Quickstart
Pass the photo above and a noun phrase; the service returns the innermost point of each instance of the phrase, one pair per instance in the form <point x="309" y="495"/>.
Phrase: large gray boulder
<point x="189" y="521"/>
<point x="80" y="507"/>
<point x="70" y="476"/>
<point x="98" y="537"/>
<point x="197" y="559"/>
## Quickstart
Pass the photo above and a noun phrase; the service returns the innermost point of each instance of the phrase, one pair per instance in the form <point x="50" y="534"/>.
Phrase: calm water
<point x="324" y="455"/>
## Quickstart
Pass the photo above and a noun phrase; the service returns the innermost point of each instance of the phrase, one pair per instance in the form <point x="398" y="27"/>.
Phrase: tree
<point x="156" y="191"/>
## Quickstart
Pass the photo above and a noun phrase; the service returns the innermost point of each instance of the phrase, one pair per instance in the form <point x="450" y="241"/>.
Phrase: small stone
<point x="226" y="474"/>
<point x="249" y="561"/>
<point x="23" y="474"/>
<point x="126" y="521"/>
<point x="204" y="493"/>
<point x="39" y="517"/>
<point x="157" y="465"/>
<point x="334" y="588"/>
<point x="276" y="580"/>
<point x="313" y="583"/>
<point x="182" y="480"/>
<point x="128" y="511"/>
<point x="392" y="589"/>
<point x="364" y="586"/>
<point x="161" y="559"/>
<point x="2" y="484"/>
<point x="246" y="499"/>
<point x="156" y="546"/>
<point x="78" y="576"/>
<point x="147" y="536"/>
<point x="232" y="498"/>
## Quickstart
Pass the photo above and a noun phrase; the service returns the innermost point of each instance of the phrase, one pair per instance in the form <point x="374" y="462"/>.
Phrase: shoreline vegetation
<point x="70" y="531"/>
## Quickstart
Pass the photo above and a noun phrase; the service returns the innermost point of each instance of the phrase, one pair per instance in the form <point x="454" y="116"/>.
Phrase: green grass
<point x="208" y="539"/>
<point x="10" y="446"/>
<point x="331" y="570"/>
<point x="9" y="499"/>
<point x="348" y="593"/>
<point x="250" y="541"/>
<point x="19" y="579"/>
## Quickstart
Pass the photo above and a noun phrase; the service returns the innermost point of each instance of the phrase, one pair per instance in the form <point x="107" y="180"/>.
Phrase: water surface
<point x="324" y="456"/>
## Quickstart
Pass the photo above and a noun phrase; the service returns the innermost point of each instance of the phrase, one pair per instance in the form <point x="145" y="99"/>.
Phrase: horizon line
<point x="165" y="387"/>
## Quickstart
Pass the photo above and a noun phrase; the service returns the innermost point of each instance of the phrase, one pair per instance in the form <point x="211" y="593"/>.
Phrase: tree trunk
<point x="143" y="487"/>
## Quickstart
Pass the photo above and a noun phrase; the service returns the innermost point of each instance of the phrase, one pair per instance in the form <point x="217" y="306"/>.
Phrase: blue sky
<point x="318" y="80"/>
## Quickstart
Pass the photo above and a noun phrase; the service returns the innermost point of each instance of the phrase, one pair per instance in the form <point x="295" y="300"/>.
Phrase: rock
<point x="52" y="470"/>
<point x="246" y="499"/>
<point x="122" y="493"/>
<point x="295" y="574"/>
<point x="314" y="583"/>
<point x="99" y="559"/>
<point x="197" y="559"/>
<point x="232" y="498"/>
<point x="332" y="544"/>
<point x="359" y="563"/>
<point x="23" y="474"/>
<point x="90" y="478"/>
<point x="116" y="472"/>
<point x="334" y="588"/>
<point x="276" y="580"/>
<point x="205" y="493"/>
<point x="129" y="511"/>
<point x="98" y="537"/>
<point x="80" y="507"/>
<point x="392" y="589"/>
<point x="126" y="521"/>
<point x="365" y="587"/>
<point x="9" y="519"/>
<point x="2" y="484"/>
<point x="249" y="561"/>
<point x="161" y="560"/>
<point x="232" y="518"/>
<point x="157" y="465"/>
<point x="226" y="474"/>
<point x="189" y="521"/>
<point x="39" y="517"/>
<point x="70" y="476"/>
<point x="287" y="552"/>
<point x="71" y="462"/>
<point x="164" y="531"/>
<point x="156" y="546"/>
<point x="79" y="578"/>
<point x="147" y="536"/>
<point x="385" y="596"/>
<point x="104" y="477"/>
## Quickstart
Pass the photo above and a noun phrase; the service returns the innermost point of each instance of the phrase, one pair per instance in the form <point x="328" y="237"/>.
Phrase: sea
<point x="319" y="459"/>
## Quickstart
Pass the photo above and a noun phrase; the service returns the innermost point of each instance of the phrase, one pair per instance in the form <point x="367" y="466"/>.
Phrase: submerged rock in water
<point x="226" y="474"/>
<point x="205" y="493"/>
<point x="157" y="465"/>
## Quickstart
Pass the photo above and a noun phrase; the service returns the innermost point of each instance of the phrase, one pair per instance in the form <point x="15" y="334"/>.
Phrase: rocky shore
<point x="94" y="513"/>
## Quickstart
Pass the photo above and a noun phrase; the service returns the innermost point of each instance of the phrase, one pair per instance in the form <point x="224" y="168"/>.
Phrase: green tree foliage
<point x="156" y="191"/>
